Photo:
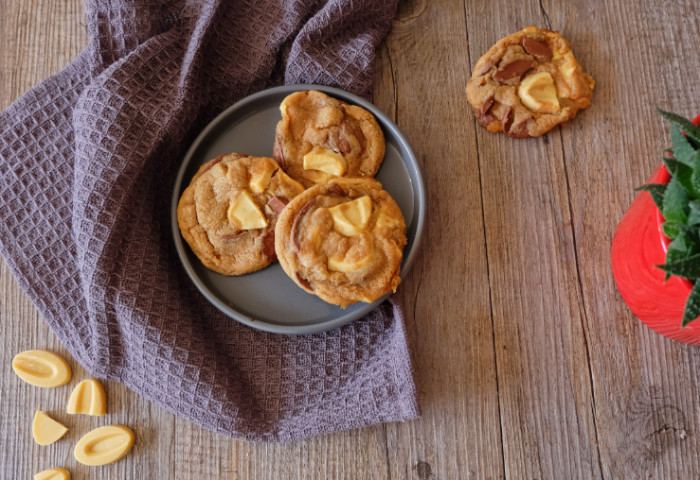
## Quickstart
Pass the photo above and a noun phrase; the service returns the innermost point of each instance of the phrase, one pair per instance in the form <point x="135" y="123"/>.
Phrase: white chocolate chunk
<point x="42" y="368"/>
<point x="337" y="264"/>
<point x="538" y="93"/>
<point x="244" y="211"/>
<point x="350" y="218"/>
<point x="104" y="445"/>
<point x="88" y="398"/>
<point x="326" y="161"/>
<point x="56" y="473"/>
<point x="359" y="256"/>
<point x="260" y="177"/>
<point x="46" y="430"/>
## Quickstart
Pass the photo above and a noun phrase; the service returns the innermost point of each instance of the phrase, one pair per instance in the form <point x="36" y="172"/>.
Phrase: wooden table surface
<point x="528" y="363"/>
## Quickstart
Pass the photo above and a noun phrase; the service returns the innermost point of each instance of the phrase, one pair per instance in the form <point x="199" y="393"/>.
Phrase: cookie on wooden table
<point x="528" y="83"/>
<point x="343" y="241"/>
<point x="228" y="213"/>
<point x="320" y="137"/>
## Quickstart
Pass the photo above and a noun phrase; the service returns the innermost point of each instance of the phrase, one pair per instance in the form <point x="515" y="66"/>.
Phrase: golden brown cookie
<point x="528" y="83"/>
<point x="343" y="241"/>
<point x="228" y="213"/>
<point x="320" y="137"/>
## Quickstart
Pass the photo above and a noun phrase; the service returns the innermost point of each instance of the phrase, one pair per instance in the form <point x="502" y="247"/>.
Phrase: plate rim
<point x="419" y="209"/>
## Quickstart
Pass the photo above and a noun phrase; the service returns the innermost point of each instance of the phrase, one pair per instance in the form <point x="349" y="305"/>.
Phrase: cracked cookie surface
<point x="343" y="241"/>
<point x="528" y="83"/>
<point x="320" y="137"/>
<point x="227" y="214"/>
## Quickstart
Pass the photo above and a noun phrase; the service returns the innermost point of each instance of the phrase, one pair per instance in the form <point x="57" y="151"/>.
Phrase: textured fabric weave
<point x="88" y="160"/>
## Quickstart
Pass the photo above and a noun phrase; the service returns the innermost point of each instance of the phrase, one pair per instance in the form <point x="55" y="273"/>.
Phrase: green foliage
<point x="679" y="202"/>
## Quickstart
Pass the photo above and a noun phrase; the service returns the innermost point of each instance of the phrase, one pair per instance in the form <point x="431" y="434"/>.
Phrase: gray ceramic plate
<point x="268" y="299"/>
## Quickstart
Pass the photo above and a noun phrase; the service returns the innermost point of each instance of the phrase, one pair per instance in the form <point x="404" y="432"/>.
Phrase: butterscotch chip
<point x="343" y="241"/>
<point x="228" y="213"/>
<point x="320" y="137"/>
<point x="528" y="83"/>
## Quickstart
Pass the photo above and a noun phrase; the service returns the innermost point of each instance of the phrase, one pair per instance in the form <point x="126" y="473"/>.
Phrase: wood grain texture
<point x="527" y="362"/>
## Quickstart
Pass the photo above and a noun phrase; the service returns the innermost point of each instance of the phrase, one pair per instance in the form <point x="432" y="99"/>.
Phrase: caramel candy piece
<point x="537" y="48"/>
<point x="350" y="218"/>
<point x="104" y="445"/>
<point x="46" y="430"/>
<point x="539" y="94"/>
<point x="514" y="69"/>
<point x="42" y="368"/>
<point x="245" y="211"/>
<point x="88" y="398"/>
<point x="56" y="473"/>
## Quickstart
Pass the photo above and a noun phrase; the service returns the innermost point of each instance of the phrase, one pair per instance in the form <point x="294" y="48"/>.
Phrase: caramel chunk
<point x="297" y="220"/>
<point x="42" y="368"/>
<point x="88" y="398"/>
<point x="488" y="103"/>
<point x="277" y="204"/>
<point x="537" y="48"/>
<point x="514" y="69"/>
<point x="104" y="445"/>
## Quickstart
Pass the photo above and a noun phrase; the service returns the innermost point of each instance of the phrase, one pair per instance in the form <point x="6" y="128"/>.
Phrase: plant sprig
<point x="679" y="202"/>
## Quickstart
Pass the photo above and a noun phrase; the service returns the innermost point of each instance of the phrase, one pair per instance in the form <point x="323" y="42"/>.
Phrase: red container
<point x="639" y="244"/>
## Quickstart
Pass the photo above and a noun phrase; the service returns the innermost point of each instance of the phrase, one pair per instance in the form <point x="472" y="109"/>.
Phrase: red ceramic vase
<point x="639" y="244"/>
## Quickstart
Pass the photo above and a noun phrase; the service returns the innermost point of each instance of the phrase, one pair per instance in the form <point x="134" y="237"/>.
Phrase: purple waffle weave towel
<point x="88" y="160"/>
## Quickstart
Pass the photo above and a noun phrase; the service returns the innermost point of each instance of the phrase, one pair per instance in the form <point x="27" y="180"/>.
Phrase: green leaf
<point x="694" y="214"/>
<point x="672" y="229"/>
<point x="690" y="129"/>
<point x="695" y="176"/>
<point x="682" y="149"/>
<point x="688" y="267"/>
<point x="692" y="305"/>
<point x="683" y="173"/>
<point x="657" y="191"/>
<point x="675" y="204"/>
<point x="678" y="249"/>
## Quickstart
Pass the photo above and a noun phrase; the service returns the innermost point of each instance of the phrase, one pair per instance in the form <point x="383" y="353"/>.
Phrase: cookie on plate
<point x="320" y="137"/>
<point x="228" y="213"/>
<point x="528" y="83"/>
<point x="343" y="241"/>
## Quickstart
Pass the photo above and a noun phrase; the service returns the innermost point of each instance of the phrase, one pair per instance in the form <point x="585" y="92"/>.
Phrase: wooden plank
<point x="646" y="387"/>
<point x="544" y="385"/>
<point x="421" y="76"/>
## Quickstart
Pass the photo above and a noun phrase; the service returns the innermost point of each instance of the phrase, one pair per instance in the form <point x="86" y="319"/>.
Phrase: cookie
<point x="528" y="83"/>
<point x="343" y="241"/>
<point x="227" y="214"/>
<point x="320" y="137"/>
